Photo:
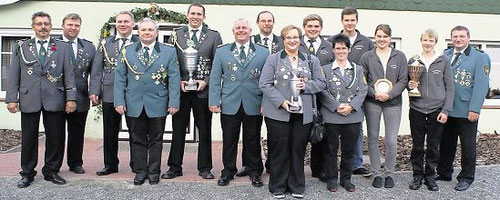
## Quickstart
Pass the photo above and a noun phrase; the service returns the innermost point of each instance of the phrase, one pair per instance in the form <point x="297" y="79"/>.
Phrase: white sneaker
<point x="298" y="195"/>
<point x="279" y="195"/>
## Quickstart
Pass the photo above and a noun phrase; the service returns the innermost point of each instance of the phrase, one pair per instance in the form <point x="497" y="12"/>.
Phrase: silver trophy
<point x="296" y="101"/>
<point x="191" y="61"/>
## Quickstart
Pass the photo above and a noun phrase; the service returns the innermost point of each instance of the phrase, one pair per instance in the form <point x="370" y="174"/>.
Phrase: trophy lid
<point x="190" y="50"/>
<point x="416" y="61"/>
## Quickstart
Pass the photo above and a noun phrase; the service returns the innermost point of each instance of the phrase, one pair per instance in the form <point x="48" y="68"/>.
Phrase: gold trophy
<point x="415" y="70"/>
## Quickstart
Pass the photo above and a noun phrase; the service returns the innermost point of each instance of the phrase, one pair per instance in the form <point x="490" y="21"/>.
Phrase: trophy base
<point x="190" y="88"/>
<point x="414" y="93"/>
<point x="294" y="108"/>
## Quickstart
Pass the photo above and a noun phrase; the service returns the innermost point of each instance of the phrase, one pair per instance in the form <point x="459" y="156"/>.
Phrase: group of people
<point x="282" y="80"/>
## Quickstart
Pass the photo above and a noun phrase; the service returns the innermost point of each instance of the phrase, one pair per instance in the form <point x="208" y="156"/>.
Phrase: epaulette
<point x="480" y="50"/>
<point x="212" y="30"/>
<point x="85" y="40"/>
<point x="449" y="48"/>
<point x="221" y="45"/>
<point x="59" y="40"/>
<point x="178" y="28"/>
<point x="168" y="44"/>
<point x="21" y="41"/>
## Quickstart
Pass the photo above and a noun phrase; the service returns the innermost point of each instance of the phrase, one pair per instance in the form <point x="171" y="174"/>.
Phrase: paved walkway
<point x="191" y="186"/>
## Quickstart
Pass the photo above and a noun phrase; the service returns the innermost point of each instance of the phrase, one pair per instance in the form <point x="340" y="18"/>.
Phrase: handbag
<point x="318" y="126"/>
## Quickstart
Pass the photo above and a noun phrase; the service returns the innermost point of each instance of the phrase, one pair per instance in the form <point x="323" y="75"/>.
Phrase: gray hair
<point x="145" y="20"/>
<point x="430" y="33"/>
<point x="245" y="20"/>
<point x="125" y="12"/>
<point x="40" y="14"/>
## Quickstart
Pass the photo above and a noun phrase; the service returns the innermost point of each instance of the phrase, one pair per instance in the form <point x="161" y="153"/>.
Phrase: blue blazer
<point x="152" y="84"/>
<point x="471" y="78"/>
<point x="234" y="81"/>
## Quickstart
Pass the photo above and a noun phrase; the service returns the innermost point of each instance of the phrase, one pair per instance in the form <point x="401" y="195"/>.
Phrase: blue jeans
<point x="358" y="150"/>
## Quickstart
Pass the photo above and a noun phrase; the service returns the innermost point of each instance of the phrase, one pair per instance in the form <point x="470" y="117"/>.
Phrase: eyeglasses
<point x="292" y="38"/>
<point x="42" y="23"/>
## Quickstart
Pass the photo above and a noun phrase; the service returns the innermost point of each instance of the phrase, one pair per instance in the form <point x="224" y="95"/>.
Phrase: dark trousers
<point x="180" y="121"/>
<point x="251" y="142"/>
<point x="244" y="152"/>
<point x="348" y="134"/>
<point x="287" y="144"/>
<point x="111" y="120"/>
<point x="465" y="130"/>
<point x="146" y="143"/>
<point x="318" y="151"/>
<point x="76" y="131"/>
<point x="53" y="123"/>
<point x="421" y="125"/>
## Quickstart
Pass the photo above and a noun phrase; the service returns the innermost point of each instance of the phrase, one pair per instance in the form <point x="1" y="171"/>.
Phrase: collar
<point x="270" y="36"/>
<point x="284" y="55"/>
<point x="465" y="51"/>
<point x="436" y="55"/>
<point x="246" y="45"/>
<point x="191" y="28"/>
<point x="306" y="39"/>
<point x="67" y="40"/>
<point x="47" y="40"/>
<point x="129" y="38"/>
<point x="150" y="46"/>
<point x="335" y="65"/>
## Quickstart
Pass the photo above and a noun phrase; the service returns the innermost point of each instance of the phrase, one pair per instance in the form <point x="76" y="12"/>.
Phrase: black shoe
<point x="206" y="175"/>
<point x="431" y="184"/>
<point x="462" y="185"/>
<point x="322" y="177"/>
<point x="256" y="181"/>
<point x="106" y="171"/>
<point x="77" y="170"/>
<point x="224" y="180"/>
<point x="279" y="195"/>
<point x="56" y="179"/>
<point x="442" y="178"/>
<point x="416" y="183"/>
<point x="154" y="179"/>
<point x="389" y="182"/>
<point x="332" y="185"/>
<point x="377" y="182"/>
<point x="171" y="174"/>
<point x="348" y="186"/>
<point x="24" y="182"/>
<point x="139" y="179"/>
<point x="362" y="171"/>
<point x="298" y="195"/>
<point x="242" y="172"/>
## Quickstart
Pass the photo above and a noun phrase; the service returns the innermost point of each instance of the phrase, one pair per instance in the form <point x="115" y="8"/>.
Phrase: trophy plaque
<point x="296" y="101"/>
<point x="383" y="85"/>
<point x="415" y="70"/>
<point x="191" y="61"/>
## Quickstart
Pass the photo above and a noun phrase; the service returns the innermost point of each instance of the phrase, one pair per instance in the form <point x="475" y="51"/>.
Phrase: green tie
<point x="41" y="53"/>
<point x="146" y="52"/>
<point x="311" y="47"/>
<point x="194" y="38"/>
<point x="243" y="57"/>
<point x="124" y="40"/>
<point x="265" y="41"/>
<point x="73" y="57"/>
<point x="457" y="54"/>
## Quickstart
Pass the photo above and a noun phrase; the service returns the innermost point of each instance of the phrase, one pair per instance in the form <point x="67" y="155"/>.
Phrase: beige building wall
<point x="406" y="28"/>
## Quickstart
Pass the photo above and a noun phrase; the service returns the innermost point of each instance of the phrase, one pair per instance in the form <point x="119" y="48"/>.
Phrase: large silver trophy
<point x="191" y="61"/>
<point x="415" y="70"/>
<point x="296" y="101"/>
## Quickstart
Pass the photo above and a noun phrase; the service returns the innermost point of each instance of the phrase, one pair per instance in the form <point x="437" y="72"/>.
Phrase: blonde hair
<point x="429" y="33"/>
<point x="288" y="28"/>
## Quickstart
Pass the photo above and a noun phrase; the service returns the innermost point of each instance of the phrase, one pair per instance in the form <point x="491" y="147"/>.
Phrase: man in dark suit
<point x="234" y="92"/>
<point x="205" y="41"/>
<point x="312" y="43"/>
<point x="146" y="90"/>
<point x="41" y="81"/>
<point x="81" y="53"/>
<point x="102" y="82"/>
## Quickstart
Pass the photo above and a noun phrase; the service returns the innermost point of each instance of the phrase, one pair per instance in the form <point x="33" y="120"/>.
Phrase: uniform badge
<point x="137" y="77"/>
<point x="53" y="65"/>
<point x="285" y="77"/>
<point x="487" y="70"/>
<point x="30" y="71"/>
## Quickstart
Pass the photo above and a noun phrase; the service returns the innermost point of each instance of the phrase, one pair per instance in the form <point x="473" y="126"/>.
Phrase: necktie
<point x="194" y="38"/>
<point x="311" y="47"/>
<point x="124" y="40"/>
<point x="41" y="53"/>
<point x="457" y="54"/>
<point x="243" y="57"/>
<point x="72" y="52"/>
<point x="265" y="41"/>
<point x="146" y="53"/>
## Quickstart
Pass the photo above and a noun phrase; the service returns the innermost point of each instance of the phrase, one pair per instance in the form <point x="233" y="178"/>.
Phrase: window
<point x="8" y="38"/>
<point x="492" y="48"/>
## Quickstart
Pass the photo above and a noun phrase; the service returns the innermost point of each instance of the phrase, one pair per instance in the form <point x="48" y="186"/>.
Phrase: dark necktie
<point x="265" y="41"/>
<point x="194" y="38"/>
<point x="72" y="52"/>
<point x="457" y="54"/>
<point x="41" y="53"/>
<point x="311" y="47"/>
<point x="124" y="40"/>
<point x="146" y="53"/>
<point x="243" y="57"/>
